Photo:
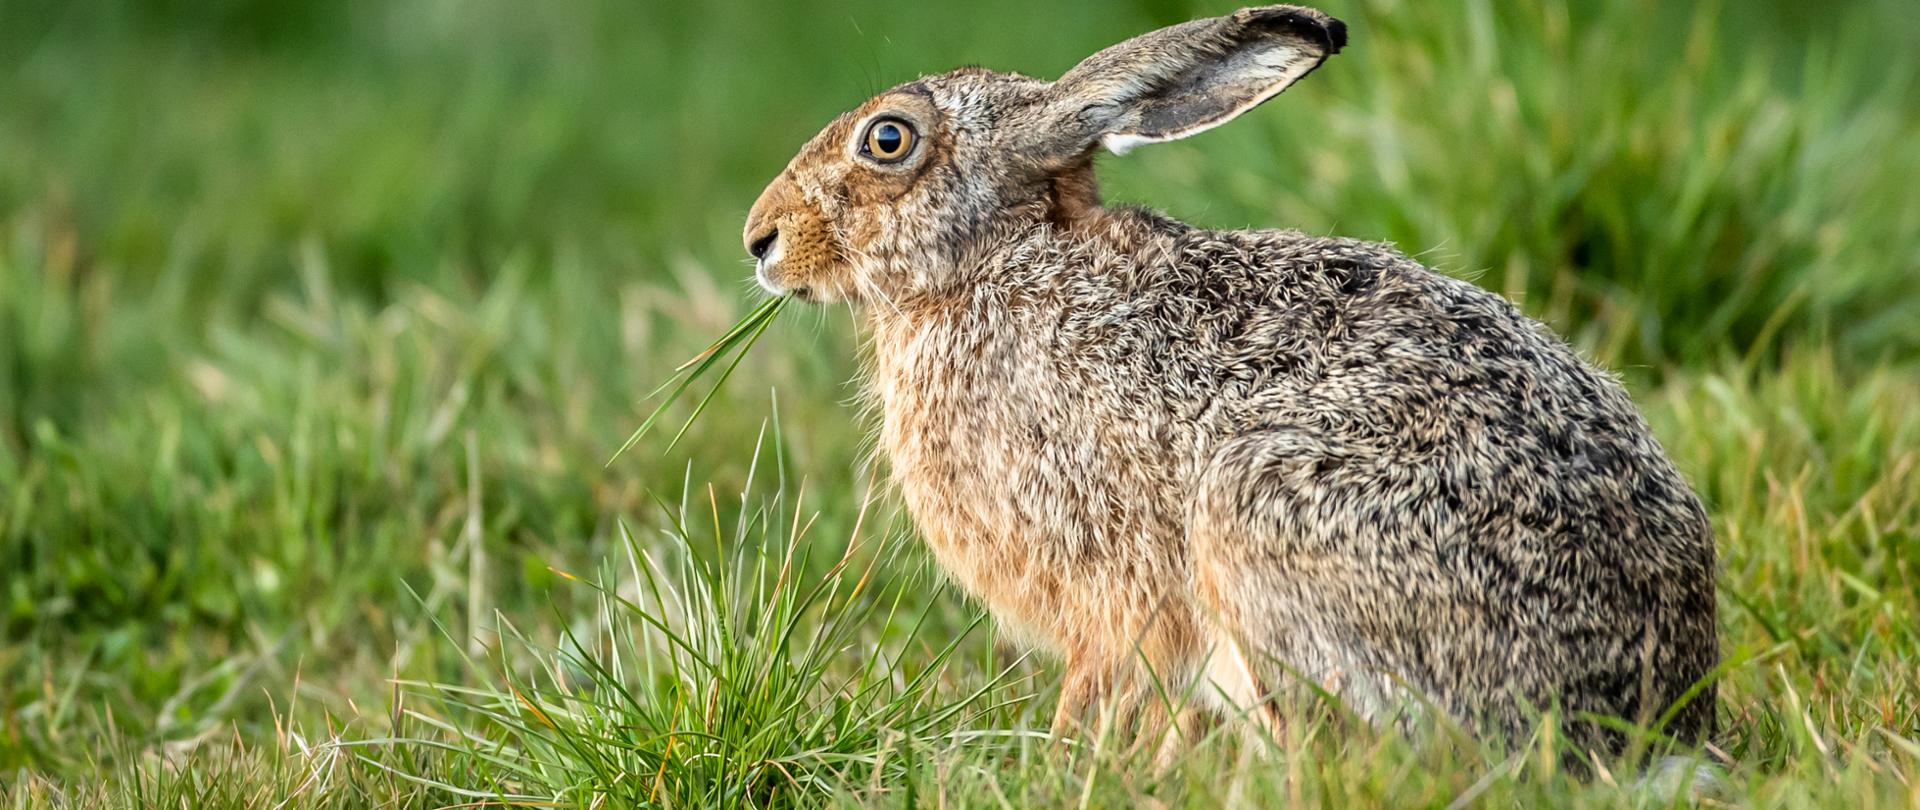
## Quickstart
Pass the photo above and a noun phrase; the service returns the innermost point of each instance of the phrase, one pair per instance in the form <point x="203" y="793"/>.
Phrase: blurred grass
<point x="318" y="320"/>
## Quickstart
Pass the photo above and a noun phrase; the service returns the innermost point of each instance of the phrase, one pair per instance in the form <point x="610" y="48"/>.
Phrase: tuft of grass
<point x="716" y="671"/>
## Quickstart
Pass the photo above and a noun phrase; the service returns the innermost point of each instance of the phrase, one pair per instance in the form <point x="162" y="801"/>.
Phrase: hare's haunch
<point x="1257" y="461"/>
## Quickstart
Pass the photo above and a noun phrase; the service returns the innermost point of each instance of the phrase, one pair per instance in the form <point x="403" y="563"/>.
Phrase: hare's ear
<point x="1188" y="78"/>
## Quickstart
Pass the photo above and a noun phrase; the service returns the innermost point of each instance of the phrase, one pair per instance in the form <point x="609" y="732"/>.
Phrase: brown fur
<point x="1241" y="458"/>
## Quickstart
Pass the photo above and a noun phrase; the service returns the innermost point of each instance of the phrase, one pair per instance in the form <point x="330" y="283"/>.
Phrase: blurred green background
<point x="287" y="287"/>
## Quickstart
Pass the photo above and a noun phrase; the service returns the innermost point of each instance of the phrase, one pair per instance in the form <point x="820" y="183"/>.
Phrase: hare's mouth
<point x="766" y="282"/>
<point x="763" y="275"/>
<point x="766" y="256"/>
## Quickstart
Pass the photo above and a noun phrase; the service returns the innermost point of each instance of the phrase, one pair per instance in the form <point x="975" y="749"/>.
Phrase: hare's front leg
<point x="1170" y="730"/>
<point x="1094" y="694"/>
<point x="1117" y="703"/>
<point x="1136" y="634"/>
<point x="1082" y="686"/>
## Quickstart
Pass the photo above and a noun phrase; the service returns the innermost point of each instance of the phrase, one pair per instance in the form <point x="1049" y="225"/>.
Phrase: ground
<point x="319" y="322"/>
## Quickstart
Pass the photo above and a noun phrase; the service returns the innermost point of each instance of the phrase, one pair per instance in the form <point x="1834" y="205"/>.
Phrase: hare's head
<point x="894" y="196"/>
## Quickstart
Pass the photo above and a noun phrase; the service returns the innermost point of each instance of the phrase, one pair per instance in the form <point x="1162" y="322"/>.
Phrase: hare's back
<point x="1364" y="344"/>
<point x="1451" y="387"/>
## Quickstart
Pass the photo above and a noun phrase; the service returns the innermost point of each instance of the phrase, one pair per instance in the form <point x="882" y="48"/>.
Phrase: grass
<point x="714" y="365"/>
<point x="318" y="324"/>
<point x="717" y="677"/>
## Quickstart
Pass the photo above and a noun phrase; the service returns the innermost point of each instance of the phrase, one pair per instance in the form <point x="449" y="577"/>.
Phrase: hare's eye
<point x="888" y="140"/>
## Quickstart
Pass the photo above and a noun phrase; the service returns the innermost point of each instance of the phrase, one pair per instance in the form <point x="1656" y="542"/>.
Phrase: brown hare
<point x="1257" y="462"/>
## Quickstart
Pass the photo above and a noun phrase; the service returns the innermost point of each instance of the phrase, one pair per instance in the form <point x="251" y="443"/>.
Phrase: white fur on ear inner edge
<point x="1290" y="68"/>
<point x="1121" y="143"/>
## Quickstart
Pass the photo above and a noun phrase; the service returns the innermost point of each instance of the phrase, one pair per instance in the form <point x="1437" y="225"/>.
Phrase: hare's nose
<point x="763" y="243"/>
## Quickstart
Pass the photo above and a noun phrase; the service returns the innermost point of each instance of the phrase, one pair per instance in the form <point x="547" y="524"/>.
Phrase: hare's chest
<point x="951" y="428"/>
<point x="1029" y="496"/>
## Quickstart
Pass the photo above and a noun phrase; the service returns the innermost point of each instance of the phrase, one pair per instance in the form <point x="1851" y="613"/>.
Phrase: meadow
<point x="319" y="323"/>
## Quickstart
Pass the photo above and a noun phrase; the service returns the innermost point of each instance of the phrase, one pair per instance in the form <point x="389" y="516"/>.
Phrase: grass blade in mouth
<point x="737" y="341"/>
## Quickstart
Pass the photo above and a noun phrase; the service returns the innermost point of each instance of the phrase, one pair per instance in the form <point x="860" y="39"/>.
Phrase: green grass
<point x="319" y="322"/>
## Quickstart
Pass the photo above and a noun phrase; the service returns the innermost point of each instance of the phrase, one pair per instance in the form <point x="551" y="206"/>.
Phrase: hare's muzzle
<point x="762" y="235"/>
<point x="792" y="245"/>
<point x="762" y="232"/>
<point x="768" y="250"/>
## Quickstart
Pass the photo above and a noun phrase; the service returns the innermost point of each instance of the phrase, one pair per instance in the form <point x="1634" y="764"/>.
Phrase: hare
<point x="1262" y="463"/>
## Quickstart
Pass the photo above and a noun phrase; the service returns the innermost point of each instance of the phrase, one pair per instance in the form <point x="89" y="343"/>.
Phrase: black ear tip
<point x="1305" y="23"/>
<point x="1336" y="35"/>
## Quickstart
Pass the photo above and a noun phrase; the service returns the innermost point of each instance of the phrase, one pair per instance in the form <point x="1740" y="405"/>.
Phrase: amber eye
<point x="888" y="140"/>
